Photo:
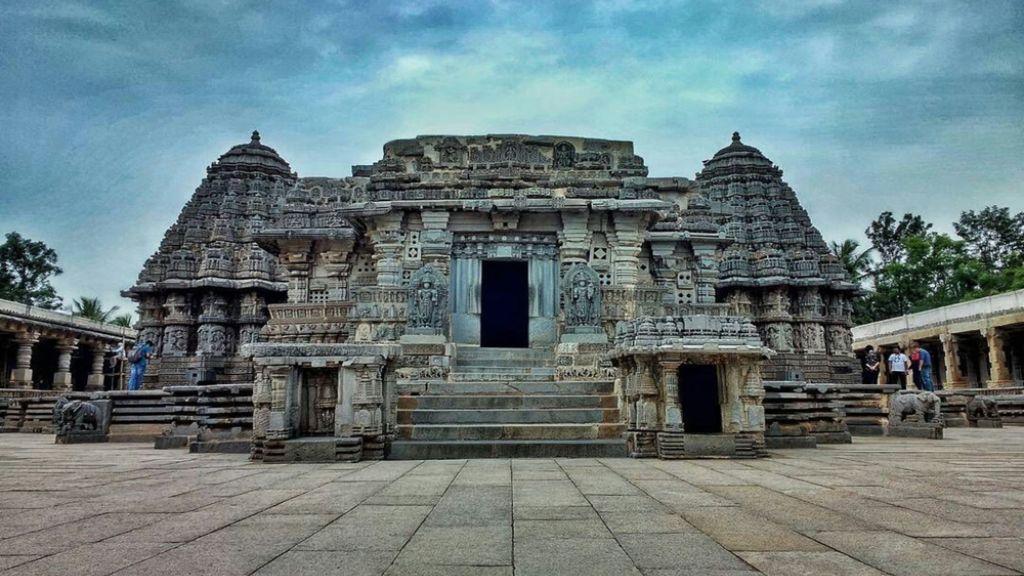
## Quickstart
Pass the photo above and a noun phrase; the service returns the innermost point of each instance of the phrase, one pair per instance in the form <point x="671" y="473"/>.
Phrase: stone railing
<point x="989" y="307"/>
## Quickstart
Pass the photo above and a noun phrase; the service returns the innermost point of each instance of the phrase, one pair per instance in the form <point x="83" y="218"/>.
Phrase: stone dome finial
<point x="256" y="137"/>
<point x="735" y="136"/>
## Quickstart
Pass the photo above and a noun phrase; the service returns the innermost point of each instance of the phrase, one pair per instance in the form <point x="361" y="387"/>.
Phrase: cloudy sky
<point x="110" y="111"/>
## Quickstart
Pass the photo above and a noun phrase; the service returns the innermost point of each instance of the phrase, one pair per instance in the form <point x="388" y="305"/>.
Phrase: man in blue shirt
<point x="926" y="367"/>
<point x="139" y="358"/>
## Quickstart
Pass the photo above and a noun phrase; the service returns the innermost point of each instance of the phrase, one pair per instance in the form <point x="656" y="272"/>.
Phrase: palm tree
<point x="124" y="320"/>
<point x="92" y="309"/>
<point x="857" y="264"/>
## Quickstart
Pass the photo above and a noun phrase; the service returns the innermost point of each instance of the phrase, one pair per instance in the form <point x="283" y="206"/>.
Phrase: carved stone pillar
<point x="707" y="271"/>
<point x="387" y="250"/>
<point x="214" y="337"/>
<point x="279" y="426"/>
<point x="673" y="410"/>
<point x="177" y="319"/>
<point x="999" y="373"/>
<point x="62" y="377"/>
<point x="951" y="358"/>
<point x="251" y="318"/>
<point x="95" y="380"/>
<point x="436" y="240"/>
<point x="21" y="376"/>
<point x="626" y="249"/>
<point x="295" y="258"/>
<point x="575" y="237"/>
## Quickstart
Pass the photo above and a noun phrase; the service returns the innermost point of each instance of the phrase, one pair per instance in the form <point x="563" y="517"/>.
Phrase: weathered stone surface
<point x="880" y="505"/>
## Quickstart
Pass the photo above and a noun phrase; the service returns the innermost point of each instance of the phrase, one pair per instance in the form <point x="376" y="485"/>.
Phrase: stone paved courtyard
<point x="880" y="506"/>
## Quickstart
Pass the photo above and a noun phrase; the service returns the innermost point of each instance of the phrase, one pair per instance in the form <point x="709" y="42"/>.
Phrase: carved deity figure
<point x="564" y="155"/>
<point x="428" y="299"/>
<point x="582" y="296"/>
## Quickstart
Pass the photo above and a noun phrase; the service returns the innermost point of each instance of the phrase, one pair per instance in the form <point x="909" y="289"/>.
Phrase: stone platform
<point x="877" y="506"/>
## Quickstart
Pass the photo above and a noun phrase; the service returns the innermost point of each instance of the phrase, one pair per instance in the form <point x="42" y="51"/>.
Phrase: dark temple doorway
<point x="698" y="394"/>
<point x="505" y="306"/>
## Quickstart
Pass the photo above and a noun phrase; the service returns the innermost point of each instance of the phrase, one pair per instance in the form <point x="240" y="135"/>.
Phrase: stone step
<point x="464" y="373"/>
<point x="504" y="363"/>
<point x="505" y="401"/>
<point x="590" y="431"/>
<point x="436" y="450"/>
<point x="477" y="352"/>
<point x="573" y="387"/>
<point x="515" y="416"/>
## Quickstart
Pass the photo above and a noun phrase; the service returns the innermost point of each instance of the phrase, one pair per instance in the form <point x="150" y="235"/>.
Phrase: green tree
<point x="26" y="267"/>
<point x="887" y="235"/>
<point x="92" y="308"/>
<point x="857" y="262"/>
<point x="993" y="235"/>
<point x="124" y="320"/>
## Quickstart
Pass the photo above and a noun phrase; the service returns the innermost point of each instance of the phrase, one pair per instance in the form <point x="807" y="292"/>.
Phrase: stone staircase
<point x="504" y="403"/>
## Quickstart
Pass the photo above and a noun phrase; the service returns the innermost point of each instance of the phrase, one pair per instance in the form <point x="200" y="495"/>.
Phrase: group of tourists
<point x="900" y="367"/>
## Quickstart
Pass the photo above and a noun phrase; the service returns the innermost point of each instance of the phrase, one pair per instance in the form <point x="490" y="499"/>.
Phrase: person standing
<point x="898" y="364"/>
<point x="139" y="359"/>
<point x="915" y="366"/>
<point x="869" y="366"/>
<point x="924" y="367"/>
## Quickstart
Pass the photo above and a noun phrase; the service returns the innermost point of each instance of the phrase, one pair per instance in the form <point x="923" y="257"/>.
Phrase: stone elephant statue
<point x="75" y="416"/>
<point x="925" y="405"/>
<point x="982" y="407"/>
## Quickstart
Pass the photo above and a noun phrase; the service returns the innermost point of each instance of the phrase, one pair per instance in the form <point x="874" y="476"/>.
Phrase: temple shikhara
<point x="503" y="295"/>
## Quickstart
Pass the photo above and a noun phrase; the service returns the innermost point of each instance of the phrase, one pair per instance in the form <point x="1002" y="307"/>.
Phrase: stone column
<point x="387" y="250"/>
<point x="673" y="411"/>
<point x="95" y="380"/>
<point x="999" y="373"/>
<point x="626" y="250"/>
<point x="279" y="425"/>
<point x="62" y="377"/>
<point x="21" y="376"/>
<point x="951" y="358"/>
<point x="436" y="240"/>
<point x="575" y="237"/>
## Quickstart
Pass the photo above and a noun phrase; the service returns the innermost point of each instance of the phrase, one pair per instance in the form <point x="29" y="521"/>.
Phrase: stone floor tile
<point x="268" y="529"/>
<point x="369" y="528"/>
<point x="694" y="551"/>
<point x="787" y="510"/>
<point x="1007" y="552"/>
<point x="9" y="561"/>
<point x="90" y="560"/>
<point x="546" y="493"/>
<point x="431" y="570"/>
<point x="736" y="529"/>
<point x="791" y="563"/>
<point x="552" y="512"/>
<point x="577" y="529"/>
<point x="905" y="556"/>
<point x="459" y="545"/>
<point x="204" y="560"/>
<point x="641" y="503"/>
<point x="566" y="557"/>
<point x="88" y="530"/>
<point x="646" y="523"/>
<point x="321" y="562"/>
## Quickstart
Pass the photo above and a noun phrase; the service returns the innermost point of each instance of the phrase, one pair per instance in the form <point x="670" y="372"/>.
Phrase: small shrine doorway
<point x="698" y="395"/>
<point x="505" y="304"/>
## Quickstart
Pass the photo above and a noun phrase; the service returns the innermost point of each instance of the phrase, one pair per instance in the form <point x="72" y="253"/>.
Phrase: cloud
<point x="112" y="109"/>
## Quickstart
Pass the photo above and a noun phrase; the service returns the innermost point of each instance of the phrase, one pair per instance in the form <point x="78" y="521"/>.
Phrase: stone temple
<point x="498" y="295"/>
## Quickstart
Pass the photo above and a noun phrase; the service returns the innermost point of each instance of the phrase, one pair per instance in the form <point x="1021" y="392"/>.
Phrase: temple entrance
<point x="698" y="395"/>
<point x="505" y="304"/>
